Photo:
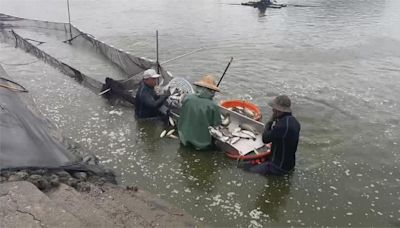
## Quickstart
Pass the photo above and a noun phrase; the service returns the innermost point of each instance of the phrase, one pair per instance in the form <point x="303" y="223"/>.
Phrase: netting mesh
<point x="132" y="66"/>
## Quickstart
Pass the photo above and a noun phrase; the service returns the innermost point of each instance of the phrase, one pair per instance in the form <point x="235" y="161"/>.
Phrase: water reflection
<point x="261" y="10"/>
<point x="274" y="196"/>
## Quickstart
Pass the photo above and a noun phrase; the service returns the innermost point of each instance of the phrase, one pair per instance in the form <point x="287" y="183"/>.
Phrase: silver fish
<point x="174" y="97"/>
<point x="170" y="132"/>
<point x="256" y="151"/>
<point x="234" y="140"/>
<point x="236" y="129"/>
<point x="226" y="120"/>
<point x="215" y="132"/>
<point x="248" y="112"/>
<point x="224" y="138"/>
<point x="171" y="121"/>
<point x="248" y="127"/>
<point x="241" y="135"/>
<point x="238" y="109"/>
<point x="173" y="136"/>
<point x="249" y="133"/>
<point x="225" y="132"/>
<point x="163" y="133"/>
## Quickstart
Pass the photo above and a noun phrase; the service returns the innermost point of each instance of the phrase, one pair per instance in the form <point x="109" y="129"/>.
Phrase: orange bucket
<point x="243" y="104"/>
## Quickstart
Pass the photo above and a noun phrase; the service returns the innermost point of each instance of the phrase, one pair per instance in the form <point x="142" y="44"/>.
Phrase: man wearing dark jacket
<point x="147" y="102"/>
<point x="282" y="130"/>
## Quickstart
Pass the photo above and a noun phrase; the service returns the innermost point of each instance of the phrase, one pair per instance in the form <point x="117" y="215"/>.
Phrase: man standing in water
<point x="284" y="136"/>
<point x="199" y="112"/>
<point x="147" y="102"/>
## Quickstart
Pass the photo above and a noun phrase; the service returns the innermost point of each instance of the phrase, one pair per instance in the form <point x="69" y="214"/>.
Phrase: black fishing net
<point x="23" y="32"/>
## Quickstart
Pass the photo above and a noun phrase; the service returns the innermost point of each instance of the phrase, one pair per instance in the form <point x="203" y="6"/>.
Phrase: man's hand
<point x="273" y="116"/>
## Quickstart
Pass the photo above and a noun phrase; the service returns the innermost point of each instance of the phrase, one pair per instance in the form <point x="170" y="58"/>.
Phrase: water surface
<point x="339" y="61"/>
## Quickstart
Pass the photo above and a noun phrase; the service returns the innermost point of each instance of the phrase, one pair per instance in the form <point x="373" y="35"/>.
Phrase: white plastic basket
<point x="181" y="84"/>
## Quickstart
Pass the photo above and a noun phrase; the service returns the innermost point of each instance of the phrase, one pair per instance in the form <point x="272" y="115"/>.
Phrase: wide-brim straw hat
<point x="208" y="81"/>
<point x="281" y="103"/>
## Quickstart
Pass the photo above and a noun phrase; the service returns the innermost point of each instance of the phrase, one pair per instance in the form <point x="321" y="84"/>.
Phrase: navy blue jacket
<point x="147" y="102"/>
<point x="284" y="136"/>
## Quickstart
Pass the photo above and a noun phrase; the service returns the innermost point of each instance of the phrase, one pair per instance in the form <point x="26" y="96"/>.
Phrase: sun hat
<point x="150" y="73"/>
<point x="281" y="103"/>
<point x="208" y="81"/>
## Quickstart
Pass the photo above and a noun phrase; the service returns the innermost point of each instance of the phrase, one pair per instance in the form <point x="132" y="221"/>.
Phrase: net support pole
<point x="69" y="22"/>
<point x="157" y="60"/>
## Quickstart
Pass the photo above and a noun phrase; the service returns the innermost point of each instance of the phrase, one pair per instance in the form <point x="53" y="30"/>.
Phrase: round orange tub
<point x="243" y="104"/>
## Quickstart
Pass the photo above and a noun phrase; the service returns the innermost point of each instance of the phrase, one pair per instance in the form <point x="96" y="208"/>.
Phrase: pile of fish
<point x="176" y="97"/>
<point x="243" y="111"/>
<point x="244" y="131"/>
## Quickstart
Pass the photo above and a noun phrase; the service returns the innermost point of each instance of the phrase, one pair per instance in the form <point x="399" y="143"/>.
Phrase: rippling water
<point x="338" y="60"/>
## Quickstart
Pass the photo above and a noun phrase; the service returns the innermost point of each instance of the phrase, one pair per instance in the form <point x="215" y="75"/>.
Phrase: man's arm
<point x="149" y="101"/>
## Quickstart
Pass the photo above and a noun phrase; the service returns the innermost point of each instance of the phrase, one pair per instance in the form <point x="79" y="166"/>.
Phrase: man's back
<point x="285" y="138"/>
<point x="197" y="114"/>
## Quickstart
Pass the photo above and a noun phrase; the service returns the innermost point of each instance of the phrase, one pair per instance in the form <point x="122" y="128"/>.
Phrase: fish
<point x="256" y="151"/>
<point x="170" y="132"/>
<point x="236" y="129"/>
<point x="248" y="112"/>
<point x="238" y="110"/>
<point x="249" y="133"/>
<point x="171" y="121"/>
<point x="173" y="136"/>
<point x="225" y="132"/>
<point x="248" y="127"/>
<point x="215" y="132"/>
<point x="224" y="138"/>
<point x="174" y="97"/>
<point x="226" y="120"/>
<point x="234" y="140"/>
<point x="163" y="133"/>
<point x="241" y="135"/>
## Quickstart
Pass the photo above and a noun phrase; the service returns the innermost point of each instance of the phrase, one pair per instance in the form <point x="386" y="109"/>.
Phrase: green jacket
<point x="198" y="112"/>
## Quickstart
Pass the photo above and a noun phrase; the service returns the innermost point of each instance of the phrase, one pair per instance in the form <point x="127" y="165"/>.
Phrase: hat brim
<point x="208" y="86"/>
<point x="273" y="105"/>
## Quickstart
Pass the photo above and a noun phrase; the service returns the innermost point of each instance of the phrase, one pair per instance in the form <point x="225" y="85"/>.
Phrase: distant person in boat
<point x="147" y="102"/>
<point x="264" y="3"/>
<point x="282" y="130"/>
<point x="198" y="112"/>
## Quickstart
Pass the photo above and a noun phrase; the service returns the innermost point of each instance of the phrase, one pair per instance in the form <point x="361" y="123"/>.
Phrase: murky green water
<point x="338" y="60"/>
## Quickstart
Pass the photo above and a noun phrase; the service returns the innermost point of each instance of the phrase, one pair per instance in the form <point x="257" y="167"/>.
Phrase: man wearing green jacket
<point x="199" y="112"/>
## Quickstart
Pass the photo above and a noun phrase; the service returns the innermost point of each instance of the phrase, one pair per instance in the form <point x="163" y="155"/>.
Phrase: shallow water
<point x="338" y="60"/>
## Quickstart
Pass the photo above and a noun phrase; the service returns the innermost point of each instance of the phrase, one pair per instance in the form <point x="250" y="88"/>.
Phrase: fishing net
<point x="42" y="38"/>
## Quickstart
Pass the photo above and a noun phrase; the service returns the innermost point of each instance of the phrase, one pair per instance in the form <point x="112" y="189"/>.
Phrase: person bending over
<point x="198" y="112"/>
